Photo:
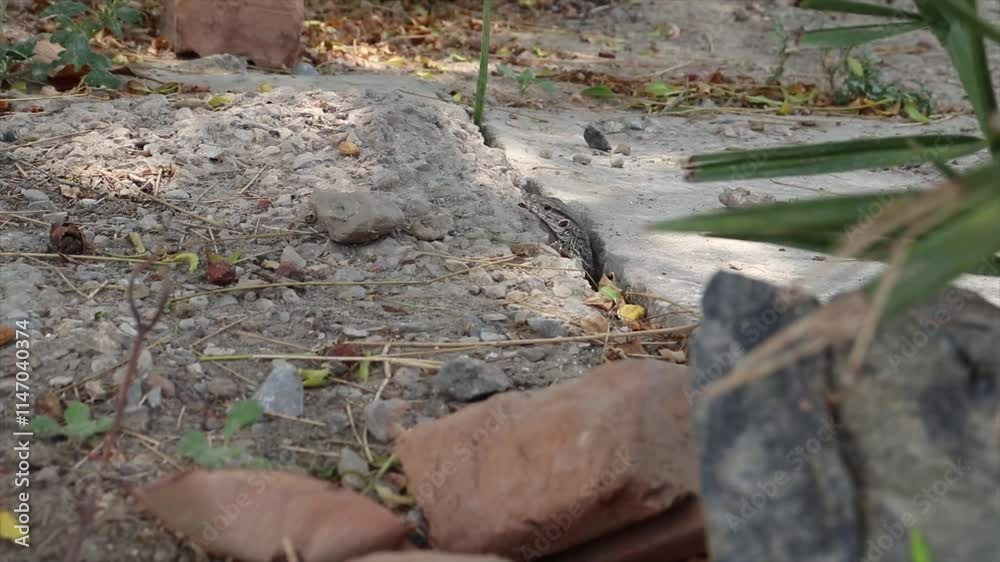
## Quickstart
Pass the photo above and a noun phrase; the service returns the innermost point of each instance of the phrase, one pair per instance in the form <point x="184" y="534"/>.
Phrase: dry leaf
<point x="49" y="404"/>
<point x="672" y="355"/>
<point x="7" y="334"/>
<point x="595" y="325"/>
<point x="598" y="300"/>
<point x="246" y="514"/>
<point x="632" y="347"/>
<point x="348" y="148"/>
<point x="66" y="238"/>
<point x="221" y="273"/>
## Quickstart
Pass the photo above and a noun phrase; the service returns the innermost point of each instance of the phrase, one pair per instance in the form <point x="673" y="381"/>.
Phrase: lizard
<point x="572" y="239"/>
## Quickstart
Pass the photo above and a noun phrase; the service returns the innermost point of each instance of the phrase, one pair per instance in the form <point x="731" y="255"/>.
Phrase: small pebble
<point x="617" y="161"/>
<point x="582" y="159"/>
<point x="281" y="392"/>
<point x="352" y="468"/>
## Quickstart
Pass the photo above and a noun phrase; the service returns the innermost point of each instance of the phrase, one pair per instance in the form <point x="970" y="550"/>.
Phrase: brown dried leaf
<point x="66" y="238"/>
<point x="673" y="356"/>
<point x="348" y="148"/>
<point x="7" y="334"/>
<point x="50" y="405"/>
<point x="221" y="273"/>
<point x="247" y="514"/>
<point x="595" y="325"/>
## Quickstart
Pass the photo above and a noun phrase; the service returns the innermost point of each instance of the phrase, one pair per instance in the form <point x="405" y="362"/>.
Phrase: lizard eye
<point x="547" y="207"/>
<point x="563" y="223"/>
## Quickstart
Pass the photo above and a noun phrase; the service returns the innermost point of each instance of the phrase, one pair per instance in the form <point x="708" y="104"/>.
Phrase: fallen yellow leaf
<point x="631" y="312"/>
<point x="8" y="530"/>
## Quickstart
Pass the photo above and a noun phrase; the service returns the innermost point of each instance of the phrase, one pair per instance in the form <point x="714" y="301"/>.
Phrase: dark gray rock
<point x="466" y="379"/>
<point x="353" y="469"/>
<point x="595" y="139"/>
<point x="782" y="480"/>
<point x="547" y="327"/>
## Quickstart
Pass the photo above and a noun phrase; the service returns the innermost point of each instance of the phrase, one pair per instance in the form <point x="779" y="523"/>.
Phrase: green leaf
<point x="913" y="111"/>
<point x="811" y="220"/>
<point x="76" y="413"/>
<point x="98" y="78"/>
<point x="129" y="15"/>
<point x="845" y="37"/>
<point x="860" y="8"/>
<point x="65" y="9"/>
<point x="313" y="378"/>
<point x="21" y="51"/>
<point x="242" y="414"/>
<point x="830" y="157"/>
<point x="220" y="101"/>
<point x="363" y="369"/>
<point x="968" y="55"/>
<point x="963" y="244"/>
<point x="505" y="70"/>
<point x="659" y="89"/>
<point x="600" y="91"/>
<point x="610" y="292"/>
<point x="919" y="552"/>
<point x="192" y="444"/>
<point x="547" y="86"/>
<point x="44" y="426"/>
<point x="965" y="13"/>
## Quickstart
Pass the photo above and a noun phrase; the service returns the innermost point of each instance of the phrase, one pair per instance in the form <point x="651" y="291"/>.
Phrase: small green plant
<point x="484" y="63"/>
<point x="78" y="426"/>
<point x="919" y="551"/>
<point x="195" y="444"/>
<point x="863" y="81"/>
<point x="77" y="25"/>
<point x="525" y="79"/>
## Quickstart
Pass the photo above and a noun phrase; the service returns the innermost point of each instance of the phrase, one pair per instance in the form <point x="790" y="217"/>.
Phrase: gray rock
<point x="488" y="335"/>
<point x="617" y="161"/>
<point x="304" y="69"/>
<point x="222" y="387"/>
<point x="281" y="392"/>
<point x="547" y="327"/>
<point x="356" y="218"/>
<point x="776" y="483"/>
<point x="353" y="469"/>
<point x="533" y="353"/>
<point x="291" y="257"/>
<point x="582" y="159"/>
<point x="495" y="291"/>
<point x="494" y="317"/>
<point x="354" y="332"/>
<point x="466" y="379"/>
<point x="382" y="418"/>
<point x="177" y="194"/>
<point x="740" y="197"/>
<point x="472" y="325"/>
<point x="35" y="195"/>
<point x="595" y="139"/>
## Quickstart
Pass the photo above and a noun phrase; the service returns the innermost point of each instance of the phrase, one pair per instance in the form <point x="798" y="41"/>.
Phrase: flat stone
<point x="281" y="392"/>
<point x="352" y="468"/>
<point x="597" y="454"/>
<point x="383" y="418"/>
<point x="357" y="217"/>
<point x="466" y="379"/>
<point x="547" y="327"/>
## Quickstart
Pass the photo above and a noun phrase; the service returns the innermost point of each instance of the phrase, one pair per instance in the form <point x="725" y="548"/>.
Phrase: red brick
<point x="529" y="474"/>
<point x="265" y="31"/>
